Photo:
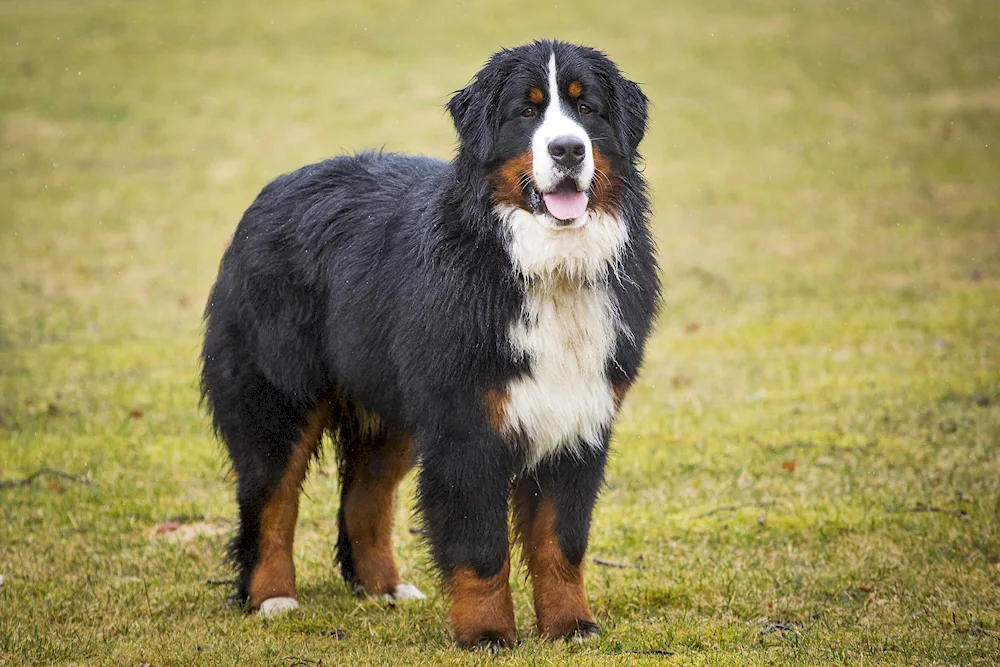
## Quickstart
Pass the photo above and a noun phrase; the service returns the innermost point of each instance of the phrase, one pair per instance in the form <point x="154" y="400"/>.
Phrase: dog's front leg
<point x="552" y="509"/>
<point x="464" y="488"/>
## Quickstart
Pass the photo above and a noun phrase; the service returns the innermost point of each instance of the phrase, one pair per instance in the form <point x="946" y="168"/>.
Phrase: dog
<point x="481" y="319"/>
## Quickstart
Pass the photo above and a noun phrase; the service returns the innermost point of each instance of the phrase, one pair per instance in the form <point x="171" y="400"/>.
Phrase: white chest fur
<point x="586" y="252"/>
<point x="568" y="335"/>
<point x="567" y="330"/>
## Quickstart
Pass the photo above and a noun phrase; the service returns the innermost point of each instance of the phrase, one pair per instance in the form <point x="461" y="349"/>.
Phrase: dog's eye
<point x="528" y="112"/>
<point x="584" y="109"/>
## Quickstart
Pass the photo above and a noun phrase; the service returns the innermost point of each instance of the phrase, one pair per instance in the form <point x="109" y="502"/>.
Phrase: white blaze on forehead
<point x="556" y="123"/>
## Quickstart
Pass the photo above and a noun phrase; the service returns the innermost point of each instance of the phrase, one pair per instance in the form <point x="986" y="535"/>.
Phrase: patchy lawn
<point x="809" y="471"/>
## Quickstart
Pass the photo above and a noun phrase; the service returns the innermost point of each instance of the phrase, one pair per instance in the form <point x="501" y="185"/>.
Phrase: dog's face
<point x="554" y="125"/>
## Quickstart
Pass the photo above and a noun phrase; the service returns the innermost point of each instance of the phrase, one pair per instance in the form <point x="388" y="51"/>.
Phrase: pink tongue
<point x="566" y="205"/>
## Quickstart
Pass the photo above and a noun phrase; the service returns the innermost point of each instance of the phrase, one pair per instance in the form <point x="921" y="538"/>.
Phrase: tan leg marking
<point x="557" y="586"/>
<point x="495" y="403"/>
<point x="274" y="575"/>
<point x="368" y="511"/>
<point x="482" y="608"/>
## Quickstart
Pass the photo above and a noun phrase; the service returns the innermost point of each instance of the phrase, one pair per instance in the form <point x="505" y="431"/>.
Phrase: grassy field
<point x="809" y="471"/>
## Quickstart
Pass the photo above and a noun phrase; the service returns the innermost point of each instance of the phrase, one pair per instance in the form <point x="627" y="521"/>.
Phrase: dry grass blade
<point x="620" y="566"/>
<point x="734" y="508"/>
<point x="42" y="472"/>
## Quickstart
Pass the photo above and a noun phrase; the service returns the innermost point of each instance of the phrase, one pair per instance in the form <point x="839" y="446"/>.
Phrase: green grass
<point x="827" y="196"/>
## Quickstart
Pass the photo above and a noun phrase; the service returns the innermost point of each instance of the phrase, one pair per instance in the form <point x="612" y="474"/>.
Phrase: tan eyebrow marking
<point x="575" y="89"/>
<point x="536" y="96"/>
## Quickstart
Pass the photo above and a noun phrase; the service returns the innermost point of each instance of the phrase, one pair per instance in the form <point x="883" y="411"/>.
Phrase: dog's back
<point x="307" y="284"/>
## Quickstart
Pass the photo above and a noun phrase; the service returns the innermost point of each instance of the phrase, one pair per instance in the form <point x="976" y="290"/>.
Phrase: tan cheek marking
<point x="481" y="607"/>
<point x="604" y="191"/>
<point x="557" y="585"/>
<point x="368" y="511"/>
<point x="274" y="575"/>
<point x="509" y="178"/>
<point x="536" y="96"/>
<point x="575" y="90"/>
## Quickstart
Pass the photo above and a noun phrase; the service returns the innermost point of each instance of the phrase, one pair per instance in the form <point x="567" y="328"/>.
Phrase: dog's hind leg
<point x="272" y="578"/>
<point x="271" y="441"/>
<point x="373" y="459"/>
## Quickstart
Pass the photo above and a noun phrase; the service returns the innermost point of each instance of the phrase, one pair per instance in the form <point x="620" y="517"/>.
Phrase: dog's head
<point x="556" y="126"/>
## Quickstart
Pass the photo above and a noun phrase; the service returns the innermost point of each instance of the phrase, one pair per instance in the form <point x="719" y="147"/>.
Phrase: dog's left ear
<point x="472" y="113"/>
<point x="629" y="106"/>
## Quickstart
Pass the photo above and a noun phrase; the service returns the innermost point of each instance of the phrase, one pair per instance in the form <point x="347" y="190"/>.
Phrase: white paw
<point x="408" y="592"/>
<point x="402" y="592"/>
<point x="277" y="606"/>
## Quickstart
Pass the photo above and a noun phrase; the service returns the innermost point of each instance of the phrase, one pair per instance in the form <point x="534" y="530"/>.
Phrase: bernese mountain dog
<point x="481" y="319"/>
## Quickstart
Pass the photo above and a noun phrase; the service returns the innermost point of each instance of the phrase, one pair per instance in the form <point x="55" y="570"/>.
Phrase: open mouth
<point x="565" y="202"/>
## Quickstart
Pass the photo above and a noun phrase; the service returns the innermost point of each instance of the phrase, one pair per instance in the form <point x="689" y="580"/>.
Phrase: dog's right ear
<point x="459" y="104"/>
<point x="471" y="117"/>
<point x="474" y="108"/>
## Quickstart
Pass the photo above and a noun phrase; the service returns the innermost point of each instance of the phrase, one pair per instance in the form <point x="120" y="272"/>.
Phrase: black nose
<point x="567" y="151"/>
